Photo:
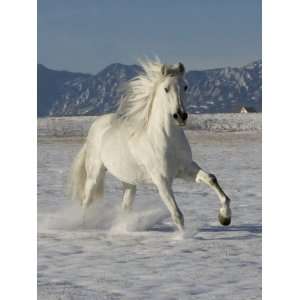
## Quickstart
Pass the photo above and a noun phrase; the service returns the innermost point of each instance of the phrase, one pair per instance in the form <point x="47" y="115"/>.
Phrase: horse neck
<point x="161" y="124"/>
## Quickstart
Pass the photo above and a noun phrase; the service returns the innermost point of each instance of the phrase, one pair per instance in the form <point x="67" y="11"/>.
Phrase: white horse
<point x="144" y="142"/>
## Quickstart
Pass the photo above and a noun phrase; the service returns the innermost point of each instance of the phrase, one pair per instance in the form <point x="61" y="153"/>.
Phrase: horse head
<point x="173" y="87"/>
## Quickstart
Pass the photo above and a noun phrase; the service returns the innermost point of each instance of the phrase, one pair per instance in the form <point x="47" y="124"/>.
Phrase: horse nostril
<point x="184" y="116"/>
<point x="175" y="116"/>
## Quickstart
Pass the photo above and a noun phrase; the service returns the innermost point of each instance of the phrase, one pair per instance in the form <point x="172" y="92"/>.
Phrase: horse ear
<point x="181" y="68"/>
<point x="164" y="69"/>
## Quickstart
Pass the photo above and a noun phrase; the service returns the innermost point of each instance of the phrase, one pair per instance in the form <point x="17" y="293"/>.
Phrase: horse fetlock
<point x="178" y="219"/>
<point x="227" y="201"/>
<point x="225" y="211"/>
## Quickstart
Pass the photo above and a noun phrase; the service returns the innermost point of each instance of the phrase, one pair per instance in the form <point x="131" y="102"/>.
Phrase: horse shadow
<point x="247" y="231"/>
<point x="249" y="228"/>
<point x="162" y="228"/>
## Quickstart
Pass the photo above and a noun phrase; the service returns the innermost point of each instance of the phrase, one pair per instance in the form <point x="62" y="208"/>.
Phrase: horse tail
<point x="78" y="176"/>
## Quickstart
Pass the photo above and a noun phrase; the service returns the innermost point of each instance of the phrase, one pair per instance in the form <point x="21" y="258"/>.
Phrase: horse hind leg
<point x="128" y="196"/>
<point x="99" y="188"/>
<point x="94" y="185"/>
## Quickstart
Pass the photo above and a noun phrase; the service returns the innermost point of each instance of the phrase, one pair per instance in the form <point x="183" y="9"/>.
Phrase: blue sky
<point x="88" y="35"/>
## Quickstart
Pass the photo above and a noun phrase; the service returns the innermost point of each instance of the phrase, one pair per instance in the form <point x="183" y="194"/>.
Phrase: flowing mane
<point x="135" y="105"/>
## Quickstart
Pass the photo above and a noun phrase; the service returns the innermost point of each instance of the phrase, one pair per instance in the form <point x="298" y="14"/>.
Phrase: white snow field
<point x="141" y="255"/>
<point x="79" y="126"/>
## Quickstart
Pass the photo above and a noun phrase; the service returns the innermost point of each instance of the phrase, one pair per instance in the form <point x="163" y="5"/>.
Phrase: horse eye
<point x="166" y="89"/>
<point x="185" y="87"/>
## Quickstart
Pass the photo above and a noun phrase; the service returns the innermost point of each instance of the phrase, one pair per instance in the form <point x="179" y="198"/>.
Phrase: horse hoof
<point x="225" y="221"/>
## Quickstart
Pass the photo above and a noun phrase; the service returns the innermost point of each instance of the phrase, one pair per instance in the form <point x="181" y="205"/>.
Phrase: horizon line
<point x="118" y="63"/>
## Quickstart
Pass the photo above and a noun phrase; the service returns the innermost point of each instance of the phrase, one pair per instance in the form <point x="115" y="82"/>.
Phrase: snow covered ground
<point x="79" y="126"/>
<point x="141" y="256"/>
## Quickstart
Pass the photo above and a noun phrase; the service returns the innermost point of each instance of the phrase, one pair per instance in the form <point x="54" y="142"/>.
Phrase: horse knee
<point x="212" y="179"/>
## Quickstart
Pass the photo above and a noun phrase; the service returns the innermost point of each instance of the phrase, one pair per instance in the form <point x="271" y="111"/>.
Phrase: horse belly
<point x="119" y="161"/>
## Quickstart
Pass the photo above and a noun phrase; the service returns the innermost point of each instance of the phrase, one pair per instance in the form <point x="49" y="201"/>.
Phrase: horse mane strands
<point x="135" y="106"/>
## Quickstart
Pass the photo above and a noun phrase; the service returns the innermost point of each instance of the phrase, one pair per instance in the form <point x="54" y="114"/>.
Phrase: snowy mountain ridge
<point x="222" y="90"/>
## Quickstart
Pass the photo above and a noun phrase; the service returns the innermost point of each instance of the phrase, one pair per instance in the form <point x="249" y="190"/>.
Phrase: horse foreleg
<point x="166" y="194"/>
<point x="128" y="196"/>
<point x="198" y="175"/>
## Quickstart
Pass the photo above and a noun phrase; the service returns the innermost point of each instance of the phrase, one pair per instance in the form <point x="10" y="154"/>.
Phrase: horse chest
<point x="169" y="155"/>
<point x="178" y="155"/>
<point x="179" y="147"/>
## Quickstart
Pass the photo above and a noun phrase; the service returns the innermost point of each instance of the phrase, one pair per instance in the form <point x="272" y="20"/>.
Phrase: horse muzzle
<point x="180" y="117"/>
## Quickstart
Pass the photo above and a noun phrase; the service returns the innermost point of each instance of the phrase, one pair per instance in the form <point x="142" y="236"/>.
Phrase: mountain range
<point x="222" y="90"/>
